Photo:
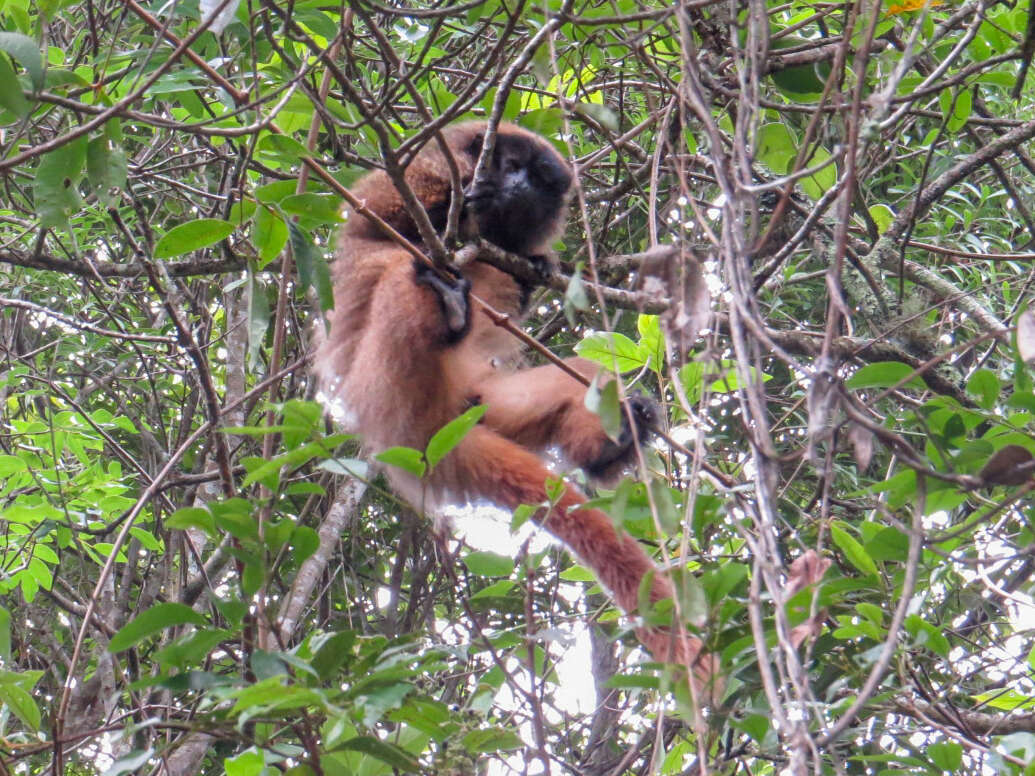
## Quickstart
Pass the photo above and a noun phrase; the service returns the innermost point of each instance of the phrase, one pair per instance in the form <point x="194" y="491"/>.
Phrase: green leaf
<point x="577" y="573"/>
<point x="883" y="216"/>
<point x="755" y="725"/>
<point x="888" y="544"/>
<point x="304" y="542"/>
<point x="11" y="464"/>
<point x="871" y="612"/>
<point x="21" y="704"/>
<point x="693" y="603"/>
<point x="692" y="377"/>
<point x="232" y="610"/>
<point x="724" y="580"/>
<point x="324" y="208"/>
<point x="193" y="649"/>
<point x="853" y="550"/>
<point x="269" y="235"/>
<point x="927" y="635"/>
<point x="332" y="653"/>
<point x="799" y="80"/>
<point x="258" y="316"/>
<point x="277" y="533"/>
<point x="106" y="169"/>
<point x="266" y="664"/>
<point x="24" y="50"/>
<point x="192" y="236"/>
<point x="1006" y="700"/>
<point x="821" y="181"/>
<point x="502" y="589"/>
<point x="451" y="434"/>
<point x="54" y="189"/>
<point x="652" y="342"/>
<point x="600" y="113"/>
<point x="776" y="147"/>
<point x="545" y="121"/>
<point x="252" y="578"/>
<point x="242" y="212"/>
<point x="5" y="635"/>
<point x="192" y="517"/>
<point x="955" y="108"/>
<point x="151" y="621"/>
<point x="947" y="755"/>
<point x="491" y="740"/>
<point x="883" y="374"/>
<point x="984" y="386"/>
<point x="384" y="751"/>
<point x="11" y="96"/>
<point x="604" y="403"/>
<point x="134" y="762"/>
<point x="489" y="564"/>
<point x="611" y="350"/>
<point x="522" y="514"/>
<point x="379" y="698"/>
<point x="247" y="763"/>
<point x="350" y="467"/>
<point x="276" y="191"/>
<point x="405" y="458"/>
<point x="235" y="516"/>
<point x="575" y="296"/>
<point x="429" y="717"/>
<point x="286" y="147"/>
<point x="313" y="271"/>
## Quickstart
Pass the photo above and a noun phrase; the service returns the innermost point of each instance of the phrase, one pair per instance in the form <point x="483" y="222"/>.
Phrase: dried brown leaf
<point x="1026" y="336"/>
<point x="861" y="439"/>
<point x="1010" y="465"/>
<point x="682" y="277"/>
<point x="807" y="569"/>
<point x="810" y="629"/>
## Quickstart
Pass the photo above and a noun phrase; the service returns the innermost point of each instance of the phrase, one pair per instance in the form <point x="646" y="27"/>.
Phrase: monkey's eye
<point x="474" y="148"/>
<point x="551" y="173"/>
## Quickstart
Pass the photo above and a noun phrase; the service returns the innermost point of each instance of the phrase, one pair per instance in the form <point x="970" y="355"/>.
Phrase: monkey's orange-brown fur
<point x="400" y="373"/>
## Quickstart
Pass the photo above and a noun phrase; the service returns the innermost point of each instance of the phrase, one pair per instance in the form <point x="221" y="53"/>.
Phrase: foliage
<point x="198" y="575"/>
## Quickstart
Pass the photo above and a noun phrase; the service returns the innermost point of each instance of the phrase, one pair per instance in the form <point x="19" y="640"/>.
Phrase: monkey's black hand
<point x="481" y="196"/>
<point x="543" y="265"/>
<point x="615" y="454"/>
<point x="452" y="298"/>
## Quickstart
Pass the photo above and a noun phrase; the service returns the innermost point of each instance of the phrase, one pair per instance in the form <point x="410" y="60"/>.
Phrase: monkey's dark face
<point x="520" y="205"/>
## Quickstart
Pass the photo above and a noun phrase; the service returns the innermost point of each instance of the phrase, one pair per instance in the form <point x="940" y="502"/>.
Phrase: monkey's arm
<point x="545" y="406"/>
<point x="453" y="297"/>
<point x="390" y="320"/>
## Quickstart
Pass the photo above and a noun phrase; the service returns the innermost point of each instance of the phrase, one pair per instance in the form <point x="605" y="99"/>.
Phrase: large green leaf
<point x="152" y="621"/>
<point x="192" y="236"/>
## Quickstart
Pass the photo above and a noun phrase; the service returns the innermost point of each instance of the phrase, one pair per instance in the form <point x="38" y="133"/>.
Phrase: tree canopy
<point x="806" y="228"/>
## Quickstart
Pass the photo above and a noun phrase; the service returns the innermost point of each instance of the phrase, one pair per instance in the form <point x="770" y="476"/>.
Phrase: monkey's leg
<point x="492" y="467"/>
<point x="545" y="406"/>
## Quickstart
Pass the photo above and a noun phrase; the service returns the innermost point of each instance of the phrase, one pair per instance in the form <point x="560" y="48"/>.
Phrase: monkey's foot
<point x="616" y="453"/>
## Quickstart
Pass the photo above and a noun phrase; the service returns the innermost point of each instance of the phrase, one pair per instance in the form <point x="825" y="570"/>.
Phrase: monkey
<point x="405" y="353"/>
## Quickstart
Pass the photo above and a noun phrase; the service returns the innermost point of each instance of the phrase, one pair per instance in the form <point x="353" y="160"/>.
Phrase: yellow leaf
<point x="910" y="5"/>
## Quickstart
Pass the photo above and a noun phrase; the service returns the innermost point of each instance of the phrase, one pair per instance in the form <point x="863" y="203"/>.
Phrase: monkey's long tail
<point x="490" y="466"/>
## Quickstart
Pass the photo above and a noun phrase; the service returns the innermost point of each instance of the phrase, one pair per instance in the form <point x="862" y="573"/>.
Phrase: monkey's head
<point x="522" y="203"/>
<point x="521" y="206"/>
